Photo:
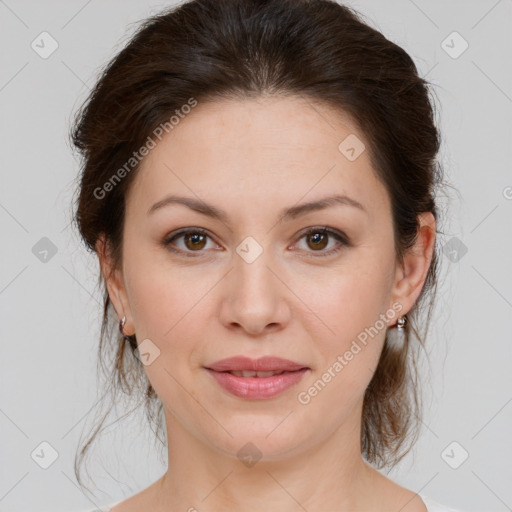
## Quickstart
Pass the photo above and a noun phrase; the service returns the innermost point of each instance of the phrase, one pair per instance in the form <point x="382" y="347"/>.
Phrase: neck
<point x="327" y="476"/>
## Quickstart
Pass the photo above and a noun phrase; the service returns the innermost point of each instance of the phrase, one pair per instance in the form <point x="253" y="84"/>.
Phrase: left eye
<point x="318" y="238"/>
<point x="195" y="241"/>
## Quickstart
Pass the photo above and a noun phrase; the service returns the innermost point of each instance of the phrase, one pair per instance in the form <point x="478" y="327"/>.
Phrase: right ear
<point x="113" y="278"/>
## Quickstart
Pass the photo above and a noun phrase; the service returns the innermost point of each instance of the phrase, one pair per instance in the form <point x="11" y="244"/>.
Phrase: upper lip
<point x="263" y="364"/>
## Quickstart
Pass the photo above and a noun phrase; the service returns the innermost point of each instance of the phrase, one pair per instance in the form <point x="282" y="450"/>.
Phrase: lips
<point x="250" y="373"/>
<point x="256" y="379"/>
<point x="257" y="388"/>
<point x="263" y="364"/>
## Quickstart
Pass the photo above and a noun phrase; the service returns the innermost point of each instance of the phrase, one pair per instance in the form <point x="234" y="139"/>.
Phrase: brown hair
<point x="320" y="50"/>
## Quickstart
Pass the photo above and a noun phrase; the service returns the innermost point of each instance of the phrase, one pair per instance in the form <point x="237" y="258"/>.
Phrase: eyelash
<point x="341" y="237"/>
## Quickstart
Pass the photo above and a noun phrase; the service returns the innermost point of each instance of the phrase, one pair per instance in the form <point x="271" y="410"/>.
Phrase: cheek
<point x="347" y="327"/>
<point x="346" y="301"/>
<point x="171" y="306"/>
<point x="169" y="311"/>
<point x="348" y="351"/>
<point x="162" y="295"/>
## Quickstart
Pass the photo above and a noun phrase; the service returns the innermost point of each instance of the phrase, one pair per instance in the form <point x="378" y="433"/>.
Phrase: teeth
<point x="249" y="373"/>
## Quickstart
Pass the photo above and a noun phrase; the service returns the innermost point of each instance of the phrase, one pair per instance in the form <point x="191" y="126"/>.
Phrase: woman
<point x="258" y="184"/>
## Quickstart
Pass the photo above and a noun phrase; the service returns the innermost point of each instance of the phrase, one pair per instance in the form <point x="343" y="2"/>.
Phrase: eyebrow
<point x="287" y="214"/>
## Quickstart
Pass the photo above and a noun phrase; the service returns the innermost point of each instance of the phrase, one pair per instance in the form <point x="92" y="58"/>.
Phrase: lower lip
<point x="257" y="388"/>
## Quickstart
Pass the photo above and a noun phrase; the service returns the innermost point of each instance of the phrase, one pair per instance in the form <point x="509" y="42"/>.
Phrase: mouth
<point x="256" y="385"/>
<point x="250" y="373"/>
<point x="262" y="365"/>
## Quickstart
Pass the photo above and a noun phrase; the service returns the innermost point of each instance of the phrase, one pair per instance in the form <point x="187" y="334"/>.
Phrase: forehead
<point x="260" y="151"/>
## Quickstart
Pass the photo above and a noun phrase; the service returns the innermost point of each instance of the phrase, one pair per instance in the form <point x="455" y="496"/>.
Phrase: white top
<point x="432" y="506"/>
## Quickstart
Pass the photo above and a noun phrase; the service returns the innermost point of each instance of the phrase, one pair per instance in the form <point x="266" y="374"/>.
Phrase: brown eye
<point x="194" y="240"/>
<point x="318" y="240"/>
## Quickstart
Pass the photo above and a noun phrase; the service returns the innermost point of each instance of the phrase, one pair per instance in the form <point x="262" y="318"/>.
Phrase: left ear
<point x="411" y="274"/>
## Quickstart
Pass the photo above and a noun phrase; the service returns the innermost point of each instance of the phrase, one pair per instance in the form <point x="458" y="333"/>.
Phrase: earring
<point x="395" y="338"/>
<point x="121" y="325"/>
<point x="130" y="339"/>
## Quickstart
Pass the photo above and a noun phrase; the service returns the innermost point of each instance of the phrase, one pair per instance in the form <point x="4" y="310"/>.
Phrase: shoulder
<point x="434" y="506"/>
<point x="397" y="497"/>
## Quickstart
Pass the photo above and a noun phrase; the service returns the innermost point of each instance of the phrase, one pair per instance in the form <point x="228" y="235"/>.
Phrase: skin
<point x="291" y="302"/>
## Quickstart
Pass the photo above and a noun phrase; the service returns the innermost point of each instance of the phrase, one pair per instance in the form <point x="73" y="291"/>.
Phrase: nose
<point x="255" y="298"/>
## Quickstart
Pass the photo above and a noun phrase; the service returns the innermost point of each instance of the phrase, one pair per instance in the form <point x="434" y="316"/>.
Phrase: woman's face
<point x="254" y="284"/>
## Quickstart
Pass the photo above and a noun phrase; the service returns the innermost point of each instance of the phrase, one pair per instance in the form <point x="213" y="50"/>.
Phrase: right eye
<point x="194" y="240"/>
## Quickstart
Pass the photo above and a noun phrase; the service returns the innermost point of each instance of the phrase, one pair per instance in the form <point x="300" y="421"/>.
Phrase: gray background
<point x="50" y="307"/>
